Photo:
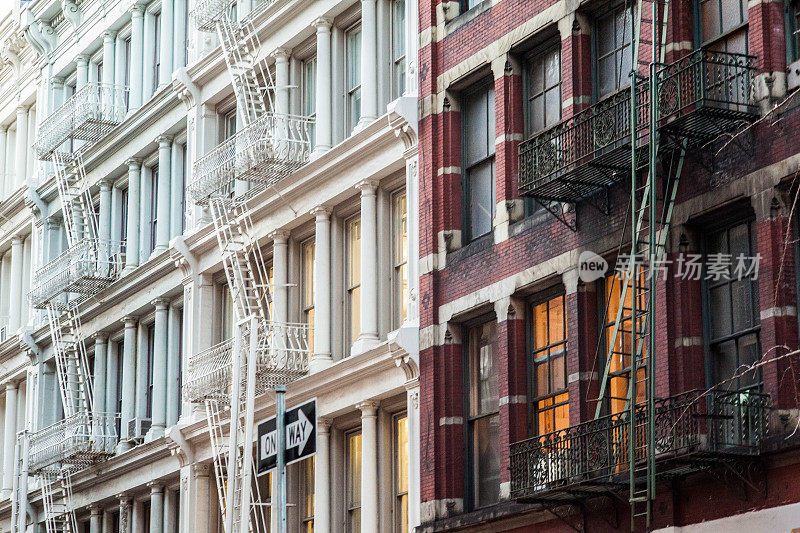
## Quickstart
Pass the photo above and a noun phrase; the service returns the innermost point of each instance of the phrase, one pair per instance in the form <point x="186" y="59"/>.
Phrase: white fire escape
<point x="87" y="266"/>
<point x="263" y="353"/>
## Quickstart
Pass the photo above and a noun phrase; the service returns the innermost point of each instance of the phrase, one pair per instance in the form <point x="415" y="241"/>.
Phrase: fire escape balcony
<point x="692" y="431"/>
<point x="207" y="12"/>
<point x="89" y="115"/>
<point x="82" y="270"/>
<point x="264" y="153"/>
<point x="282" y="356"/>
<point x="699" y="97"/>
<point x="74" y="443"/>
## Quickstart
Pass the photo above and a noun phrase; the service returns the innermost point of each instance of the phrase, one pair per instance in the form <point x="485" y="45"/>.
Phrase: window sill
<point x="462" y="18"/>
<point x="481" y="244"/>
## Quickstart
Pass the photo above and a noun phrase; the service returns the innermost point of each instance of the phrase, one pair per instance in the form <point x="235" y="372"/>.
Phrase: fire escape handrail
<point x="73" y="442"/>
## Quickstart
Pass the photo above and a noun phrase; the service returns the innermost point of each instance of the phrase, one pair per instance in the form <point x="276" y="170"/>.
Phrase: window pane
<point x="308" y="491"/>
<point x="354" y="252"/>
<point x="483" y="369"/>
<point x="486" y="457"/>
<point x="481" y="191"/>
<point x="709" y="11"/>
<point x="476" y="136"/>
<point x="354" y="470"/>
<point x="731" y="14"/>
<point x="559" y="366"/>
<point x="552" y="67"/>
<point x="724" y="360"/>
<point x="308" y="274"/>
<point x="719" y="298"/>
<point x="540" y="326"/>
<point x="399" y="28"/>
<point x="354" y="59"/>
<point x="355" y="314"/>
<point x="552" y="106"/>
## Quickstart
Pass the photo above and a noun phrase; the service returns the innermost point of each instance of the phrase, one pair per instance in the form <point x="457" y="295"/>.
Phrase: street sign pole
<point x="280" y="413"/>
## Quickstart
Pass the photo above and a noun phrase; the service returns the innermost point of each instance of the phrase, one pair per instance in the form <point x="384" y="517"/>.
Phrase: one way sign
<point x="301" y="437"/>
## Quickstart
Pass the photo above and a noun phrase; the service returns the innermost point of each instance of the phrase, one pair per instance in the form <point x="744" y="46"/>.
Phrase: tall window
<point x="400" y="443"/>
<point x="724" y="25"/>
<point x="398" y="48"/>
<point x="118" y="385"/>
<point x="126" y="73"/>
<point x="226" y="315"/>
<point x="310" y="93"/>
<point x="156" y="50"/>
<point x="549" y="360"/>
<point x="98" y="72"/>
<point x="353" y="489"/>
<point x="229" y="125"/>
<point x="400" y="257"/>
<point x="478" y="152"/>
<point x="123" y="214"/>
<point x="151" y="336"/>
<point x="353" y="46"/>
<point x="153" y="206"/>
<point x="792" y="14"/>
<point x="308" y="287"/>
<point x="353" y="277"/>
<point x="614" y="50"/>
<point x="544" y="90"/>
<point x="732" y="307"/>
<point x="307" y="484"/>
<point x="484" y="418"/>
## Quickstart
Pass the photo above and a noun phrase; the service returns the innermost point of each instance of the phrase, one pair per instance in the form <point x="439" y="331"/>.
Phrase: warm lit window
<point x="353" y="277"/>
<point x="353" y="45"/>
<point x="549" y="359"/>
<point x="614" y="50"/>
<point x="733" y="312"/>
<point x="308" y="288"/>
<point x="310" y="93"/>
<point x="484" y="418"/>
<point x="724" y="25"/>
<point x="478" y="136"/>
<point x="544" y="89"/>
<point x="307" y="484"/>
<point x="353" y="489"/>
<point x="400" y="256"/>
<point x="398" y="48"/>
<point x="400" y="440"/>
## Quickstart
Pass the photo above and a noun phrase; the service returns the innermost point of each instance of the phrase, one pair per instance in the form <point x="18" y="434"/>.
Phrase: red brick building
<point x="522" y="170"/>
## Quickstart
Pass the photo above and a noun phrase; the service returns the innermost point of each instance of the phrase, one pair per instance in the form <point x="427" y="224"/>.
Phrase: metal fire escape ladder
<point x="57" y="499"/>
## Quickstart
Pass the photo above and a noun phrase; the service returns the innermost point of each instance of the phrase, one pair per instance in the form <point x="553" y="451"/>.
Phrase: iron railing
<point x="264" y="152"/>
<point x="208" y="373"/>
<point x="207" y="12"/>
<point x="85" y="269"/>
<point x="686" y="425"/>
<point x="73" y="443"/>
<point x="89" y="115"/>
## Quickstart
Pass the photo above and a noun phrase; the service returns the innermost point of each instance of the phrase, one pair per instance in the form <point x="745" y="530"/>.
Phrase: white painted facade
<point x="171" y="300"/>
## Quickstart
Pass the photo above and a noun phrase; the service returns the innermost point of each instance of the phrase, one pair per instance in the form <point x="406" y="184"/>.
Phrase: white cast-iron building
<point x="175" y="174"/>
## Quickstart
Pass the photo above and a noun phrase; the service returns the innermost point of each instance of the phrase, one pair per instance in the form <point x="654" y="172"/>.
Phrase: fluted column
<point x="164" y="186"/>
<point x="104" y="220"/>
<point x="173" y="395"/>
<point x="95" y="519"/>
<point x="322" y="288"/>
<point x="15" y="292"/>
<point x="137" y="58"/>
<point x="369" y="267"/>
<point x="282" y="80"/>
<point x="280" y="275"/>
<point x="369" y="61"/>
<point x="132" y="231"/>
<point x="322" y="482"/>
<point x="369" y="465"/>
<point x="22" y="146"/>
<point x="167" y="40"/>
<point x="324" y="125"/>
<point x="159" y="369"/>
<point x="9" y="434"/>
<point x="156" y="507"/>
<point x="128" y="377"/>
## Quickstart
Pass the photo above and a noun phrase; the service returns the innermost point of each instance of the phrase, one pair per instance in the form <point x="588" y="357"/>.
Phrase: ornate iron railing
<point x="73" y="443"/>
<point x="85" y="269"/>
<point x="597" y="451"/>
<point x="89" y="115"/>
<point x="207" y="12"/>
<point x="264" y="152"/>
<point x="208" y="373"/>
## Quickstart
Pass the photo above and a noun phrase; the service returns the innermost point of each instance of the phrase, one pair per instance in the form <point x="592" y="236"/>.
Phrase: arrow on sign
<point x="297" y="434"/>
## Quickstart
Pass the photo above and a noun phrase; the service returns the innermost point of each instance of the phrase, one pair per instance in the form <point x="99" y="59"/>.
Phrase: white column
<point x="201" y="507"/>
<point x="128" y="377"/>
<point x="104" y="221"/>
<point x="9" y="436"/>
<point x="280" y="275"/>
<point x="159" y="369"/>
<point x="15" y="292"/>
<point x="322" y="468"/>
<point x="30" y="156"/>
<point x="5" y="177"/>
<point x="145" y="194"/>
<point x="173" y="365"/>
<point x="177" y="190"/>
<point x="137" y="51"/>
<point x="82" y="70"/>
<point x="322" y="289"/>
<point x="95" y="519"/>
<point x="112" y="374"/>
<point x="148" y="55"/>
<point x="156" y="507"/>
<point x="119" y="61"/>
<point x="369" y="466"/>
<point x="369" y="267"/>
<point x="179" y="35"/>
<point x="100" y="365"/>
<point x="324" y="129"/>
<point x="109" y="39"/>
<point x="282" y="80"/>
<point x="167" y="40"/>
<point x="369" y="61"/>
<point x="141" y="370"/>
<point x="132" y="231"/>
<point x="22" y="145"/>
<point x="164" y="186"/>
<point x="414" y="477"/>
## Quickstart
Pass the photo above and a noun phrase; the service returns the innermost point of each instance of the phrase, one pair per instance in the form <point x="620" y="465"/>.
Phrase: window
<point x="271" y="281"/>
<point x="123" y="215"/>
<point x="118" y="384"/>
<point x="466" y="5"/>
<point x="310" y="93"/>
<point x="353" y="58"/>
<point x="353" y="276"/>
<point x="153" y="207"/>
<point x="353" y="489"/>
<point x="484" y="419"/>
<point x="229" y="125"/>
<point x="400" y="256"/>
<point x="478" y="152"/>
<point x="126" y="72"/>
<point x="543" y="90"/>
<point x="307" y="483"/>
<point x="226" y="317"/>
<point x="732" y="308"/>
<point x="549" y="364"/>
<point x="151" y="337"/>
<point x="614" y="50"/>
<point x="724" y="25"/>
<point x="398" y="48"/>
<point x="184" y="172"/>
<point x="792" y="22"/>
<point x="400" y="455"/>
<point x="620" y="366"/>
<point x="308" y="288"/>
<point x="98" y="72"/>
<point x="156" y="50"/>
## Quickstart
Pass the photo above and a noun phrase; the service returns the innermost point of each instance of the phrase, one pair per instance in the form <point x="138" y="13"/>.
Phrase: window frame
<point x="151" y="344"/>
<point x="597" y="57"/>
<point x="397" y="495"/>
<point x="156" y="50"/>
<point x="309" y="94"/>
<point x="352" y="93"/>
<point x="348" y="508"/>
<point x="724" y="35"/>
<point x="399" y="294"/>
<point x="153" y="207"/>
<point x="540" y="52"/>
<point x="306" y="520"/>
<point x="307" y="307"/>
<point x="351" y="289"/>
<point x="398" y="60"/>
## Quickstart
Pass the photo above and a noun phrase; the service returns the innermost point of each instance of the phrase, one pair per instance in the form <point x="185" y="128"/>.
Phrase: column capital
<point x="282" y="54"/>
<point x="124" y="498"/>
<point x="164" y="141"/>
<point x="51" y="222"/>
<point x="109" y="35"/>
<point x="11" y="385"/>
<point x="367" y="186"/>
<point x="323" y="425"/>
<point x="201" y="470"/>
<point x="95" y="509"/>
<point x="322" y="212"/>
<point x="82" y="59"/>
<point x="156" y="486"/>
<point x="22" y="109"/>
<point x="368" y="408"/>
<point x="106" y="184"/>
<point x="137" y="10"/>
<point x="161" y="304"/>
<point x="130" y="320"/>
<point x="100" y="337"/>
<point x="279" y="236"/>
<point x="322" y="25"/>
<point x="57" y="81"/>
<point x="134" y="163"/>
<point x="16" y="240"/>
